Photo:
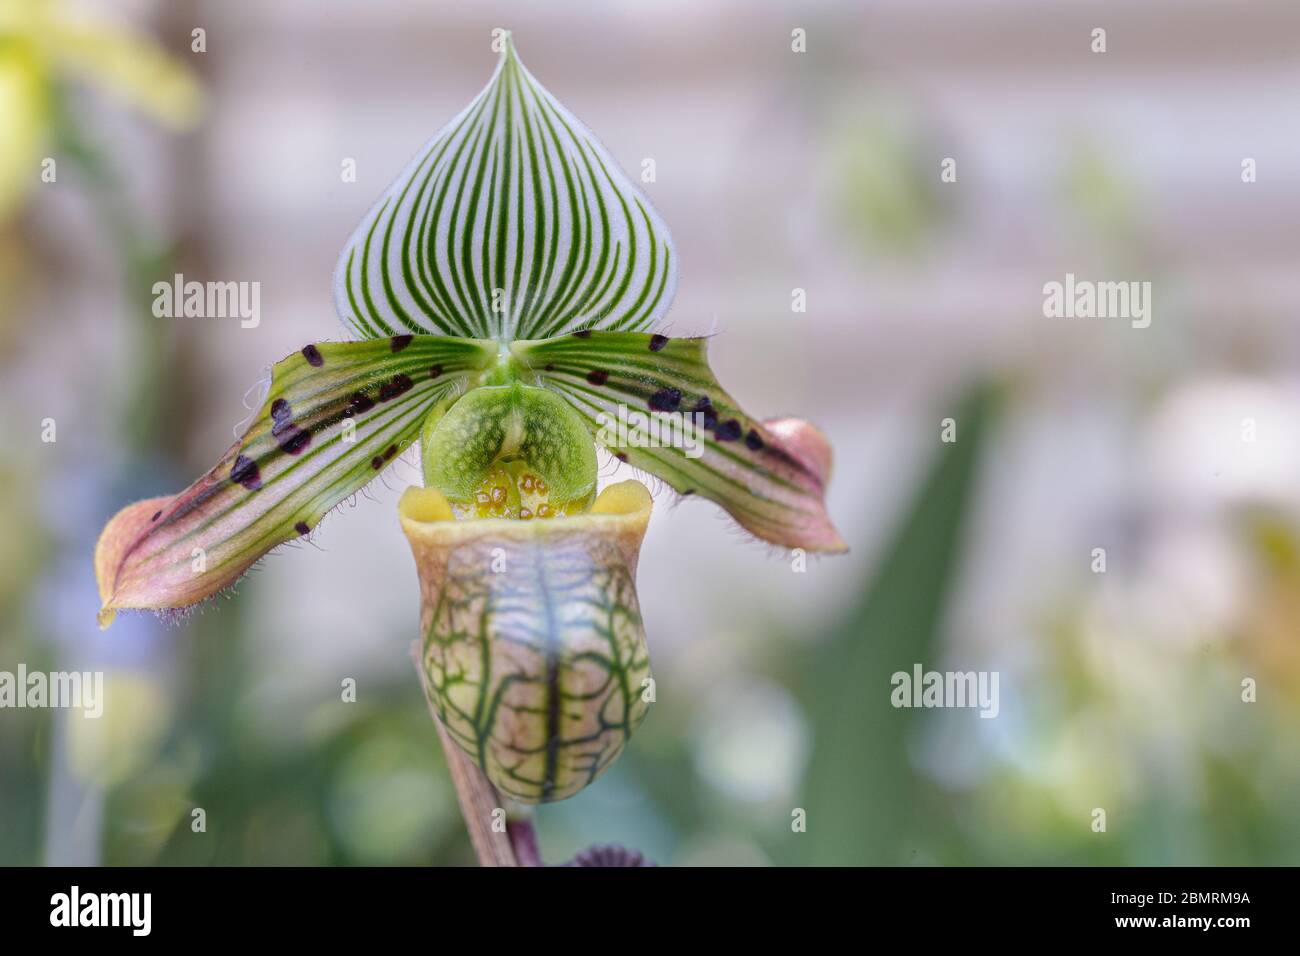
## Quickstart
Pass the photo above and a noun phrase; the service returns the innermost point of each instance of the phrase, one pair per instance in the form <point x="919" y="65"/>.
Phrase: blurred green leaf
<point x="863" y="798"/>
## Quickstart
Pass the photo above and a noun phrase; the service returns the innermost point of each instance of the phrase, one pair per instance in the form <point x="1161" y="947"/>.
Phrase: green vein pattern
<point x="534" y="655"/>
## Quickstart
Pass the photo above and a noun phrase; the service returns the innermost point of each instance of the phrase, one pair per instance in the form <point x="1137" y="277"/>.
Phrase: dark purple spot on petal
<point x="156" y="515"/>
<point x="399" y="342"/>
<point x="389" y="452"/>
<point x="301" y="527"/>
<point x="621" y="455"/>
<point x="666" y="400"/>
<point x="688" y="491"/>
<point x="313" y="356"/>
<point x="245" y="473"/>
<point x="657" y="342"/>
<point x="705" y="407"/>
<point x="728" y="431"/>
<point x="293" y="440"/>
<point x="598" y="376"/>
<point x="400" y="384"/>
<point x="435" y="371"/>
<point x="753" y="441"/>
<point x="376" y="463"/>
<point x="550" y="366"/>
<point x="582" y="334"/>
<point x="290" y="437"/>
<point x="361" y="403"/>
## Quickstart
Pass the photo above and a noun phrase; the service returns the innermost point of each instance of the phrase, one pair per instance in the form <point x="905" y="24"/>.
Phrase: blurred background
<point x="1175" y="448"/>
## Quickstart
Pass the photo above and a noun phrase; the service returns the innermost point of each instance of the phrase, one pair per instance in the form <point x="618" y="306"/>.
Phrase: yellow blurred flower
<point x="44" y="42"/>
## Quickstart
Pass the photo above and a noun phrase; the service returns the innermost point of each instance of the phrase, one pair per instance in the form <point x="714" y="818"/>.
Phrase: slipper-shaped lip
<point x="535" y="667"/>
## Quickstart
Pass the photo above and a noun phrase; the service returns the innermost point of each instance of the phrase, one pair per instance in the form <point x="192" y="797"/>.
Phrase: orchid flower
<point x="503" y="294"/>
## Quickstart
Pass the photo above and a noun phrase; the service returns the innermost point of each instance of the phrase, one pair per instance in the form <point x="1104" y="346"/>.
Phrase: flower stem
<point x="523" y="838"/>
<point x="478" y="798"/>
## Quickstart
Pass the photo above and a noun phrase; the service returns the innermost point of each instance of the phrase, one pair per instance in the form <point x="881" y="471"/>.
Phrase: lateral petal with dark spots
<point x="297" y="460"/>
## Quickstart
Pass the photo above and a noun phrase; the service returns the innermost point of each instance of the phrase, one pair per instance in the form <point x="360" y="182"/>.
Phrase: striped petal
<point x="653" y="402"/>
<point x="512" y="222"/>
<point x="336" y="415"/>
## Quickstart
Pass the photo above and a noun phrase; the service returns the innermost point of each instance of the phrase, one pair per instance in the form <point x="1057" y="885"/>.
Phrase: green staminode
<point x="510" y="424"/>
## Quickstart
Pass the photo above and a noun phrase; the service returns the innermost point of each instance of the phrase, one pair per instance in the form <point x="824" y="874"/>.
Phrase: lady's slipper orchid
<point x="503" y="291"/>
